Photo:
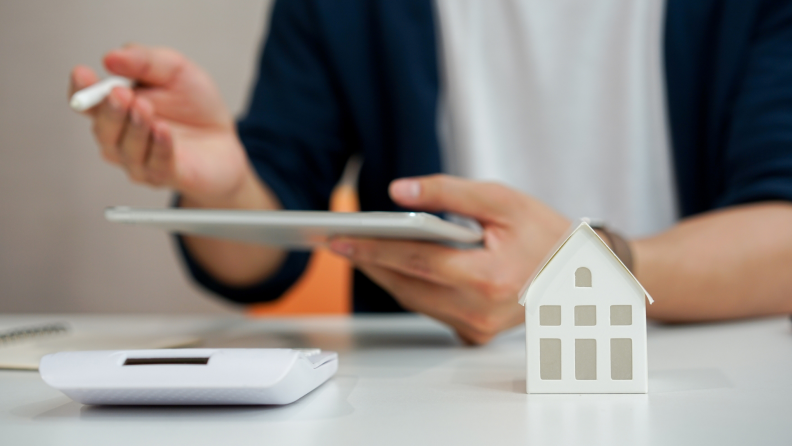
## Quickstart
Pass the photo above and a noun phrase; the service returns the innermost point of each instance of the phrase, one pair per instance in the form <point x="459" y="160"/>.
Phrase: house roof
<point x="582" y="226"/>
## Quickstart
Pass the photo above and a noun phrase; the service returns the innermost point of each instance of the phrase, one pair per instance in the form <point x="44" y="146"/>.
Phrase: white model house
<point x="585" y="320"/>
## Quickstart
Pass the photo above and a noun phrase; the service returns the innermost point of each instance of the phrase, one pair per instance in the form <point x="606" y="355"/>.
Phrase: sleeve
<point x="295" y="133"/>
<point x="758" y="152"/>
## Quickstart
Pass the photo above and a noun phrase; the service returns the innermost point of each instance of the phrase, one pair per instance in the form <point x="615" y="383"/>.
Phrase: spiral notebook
<point x="23" y="347"/>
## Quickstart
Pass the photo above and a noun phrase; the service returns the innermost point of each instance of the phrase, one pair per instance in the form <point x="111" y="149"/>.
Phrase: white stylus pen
<point x="89" y="97"/>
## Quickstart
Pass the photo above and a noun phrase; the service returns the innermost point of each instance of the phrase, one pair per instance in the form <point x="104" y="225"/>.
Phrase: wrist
<point x="618" y="244"/>
<point x="250" y="194"/>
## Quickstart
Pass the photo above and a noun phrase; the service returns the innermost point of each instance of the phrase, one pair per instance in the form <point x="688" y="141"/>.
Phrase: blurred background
<point x="57" y="254"/>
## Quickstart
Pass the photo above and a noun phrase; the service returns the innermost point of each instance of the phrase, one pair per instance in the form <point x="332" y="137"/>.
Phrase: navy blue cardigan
<point x="355" y="76"/>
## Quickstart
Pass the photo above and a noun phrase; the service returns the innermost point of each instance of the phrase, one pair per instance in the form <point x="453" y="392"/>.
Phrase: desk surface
<point x="406" y="380"/>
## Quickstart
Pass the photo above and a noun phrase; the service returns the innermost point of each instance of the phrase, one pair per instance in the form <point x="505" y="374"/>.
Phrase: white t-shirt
<point x="563" y="100"/>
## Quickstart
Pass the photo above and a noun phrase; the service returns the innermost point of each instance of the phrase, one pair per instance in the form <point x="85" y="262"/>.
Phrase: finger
<point x="415" y="294"/>
<point x="472" y="337"/>
<point x="435" y="301"/>
<point x="81" y="77"/>
<point x="487" y="202"/>
<point x="159" y="168"/>
<point x="135" y="142"/>
<point x="110" y="118"/>
<point x="428" y="261"/>
<point x="153" y="66"/>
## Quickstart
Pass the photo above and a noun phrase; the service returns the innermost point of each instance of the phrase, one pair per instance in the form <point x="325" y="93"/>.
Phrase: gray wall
<point x="57" y="254"/>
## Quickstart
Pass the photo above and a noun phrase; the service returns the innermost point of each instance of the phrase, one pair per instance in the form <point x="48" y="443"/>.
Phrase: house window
<point x="550" y="315"/>
<point x="621" y="359"/>
<point x="585" y="315"/>
<point x="550" y="358"/>
<point x="583" y="277"/>
<point x="621" y="315"/>
<point x="585" y="359"/>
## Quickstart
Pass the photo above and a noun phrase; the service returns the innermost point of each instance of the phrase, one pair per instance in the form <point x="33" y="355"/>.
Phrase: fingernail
<point x="114" y="104"/>
<point x="406" y="189"/>
<point x="135" y="117"/>
<point x="342" y="248"/>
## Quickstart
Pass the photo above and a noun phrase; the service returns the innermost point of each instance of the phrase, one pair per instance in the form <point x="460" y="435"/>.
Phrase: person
<point x="671" y="120"/>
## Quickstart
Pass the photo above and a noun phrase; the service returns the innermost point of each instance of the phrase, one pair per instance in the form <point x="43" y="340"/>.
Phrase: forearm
<point x="234" y="263"/>
<point x="724" y="264"/>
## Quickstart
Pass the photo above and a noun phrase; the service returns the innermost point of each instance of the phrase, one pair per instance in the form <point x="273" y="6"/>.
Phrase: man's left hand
<point x="475" y="291"/>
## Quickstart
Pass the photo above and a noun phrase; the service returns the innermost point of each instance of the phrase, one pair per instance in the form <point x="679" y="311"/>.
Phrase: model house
<point x="585" y="320"/>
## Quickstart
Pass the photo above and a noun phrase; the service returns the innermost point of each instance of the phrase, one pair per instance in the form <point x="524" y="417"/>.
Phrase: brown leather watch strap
<point x="618" y="244"/>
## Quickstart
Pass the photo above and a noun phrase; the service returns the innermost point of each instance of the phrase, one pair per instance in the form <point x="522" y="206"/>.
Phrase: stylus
<point x="89" y="97"/>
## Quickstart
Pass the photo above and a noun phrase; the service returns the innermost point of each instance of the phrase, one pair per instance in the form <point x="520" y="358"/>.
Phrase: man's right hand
<point x="173" y="130"/>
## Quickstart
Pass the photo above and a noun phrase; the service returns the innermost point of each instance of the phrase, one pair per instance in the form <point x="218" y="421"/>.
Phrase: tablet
<point x="297" y="229"/>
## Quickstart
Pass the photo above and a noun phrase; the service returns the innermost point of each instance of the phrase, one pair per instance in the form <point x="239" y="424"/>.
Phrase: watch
<point x="615" y="242"/>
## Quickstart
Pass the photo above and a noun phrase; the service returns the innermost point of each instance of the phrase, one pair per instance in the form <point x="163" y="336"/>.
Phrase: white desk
<point x="406" y="380"/>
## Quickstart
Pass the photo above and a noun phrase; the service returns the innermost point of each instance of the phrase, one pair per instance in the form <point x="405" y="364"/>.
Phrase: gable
<point x="582" y="248"/>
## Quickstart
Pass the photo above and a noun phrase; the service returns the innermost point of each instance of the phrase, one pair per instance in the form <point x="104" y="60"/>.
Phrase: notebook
<point x="22" y="348"/>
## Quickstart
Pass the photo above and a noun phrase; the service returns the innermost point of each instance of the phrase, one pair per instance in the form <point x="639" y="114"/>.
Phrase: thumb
<point x="82" y="77"/>
<point x="153" y="66"/>
<point x="486" y="202"/>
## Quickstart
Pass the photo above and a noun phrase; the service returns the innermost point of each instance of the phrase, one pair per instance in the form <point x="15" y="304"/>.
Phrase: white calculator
<point x="188" y="376"/>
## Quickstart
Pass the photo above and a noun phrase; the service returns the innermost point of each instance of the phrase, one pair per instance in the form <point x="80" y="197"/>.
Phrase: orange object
<point x="326" y="285"/>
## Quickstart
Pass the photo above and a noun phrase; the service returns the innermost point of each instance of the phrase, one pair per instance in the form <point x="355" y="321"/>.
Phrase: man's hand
<point x="474" y="291"/>
<point x="173" y="130"/>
